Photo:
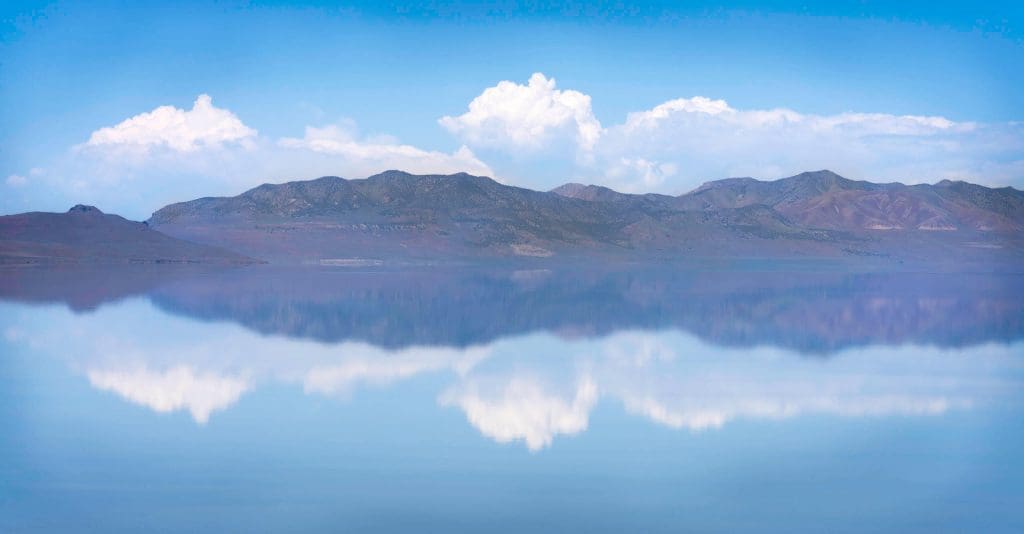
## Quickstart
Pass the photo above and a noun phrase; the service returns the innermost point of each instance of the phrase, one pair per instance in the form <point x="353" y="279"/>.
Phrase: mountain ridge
<point x="398" y="215"/>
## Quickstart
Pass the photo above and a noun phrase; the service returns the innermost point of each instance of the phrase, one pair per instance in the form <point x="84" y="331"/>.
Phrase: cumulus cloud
<point x="516" y="117"/>
<point x="678" y="144"/>
<point x="639" y="175"/>
<point x="381" y="153"/>
<point x="698" y="139"/>
<point x="203" y="126"/>
<point x="170" y="154"/>
<point x="859" y="123"/>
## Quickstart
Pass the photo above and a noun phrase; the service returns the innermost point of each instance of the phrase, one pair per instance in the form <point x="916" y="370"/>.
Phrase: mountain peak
<point x="568" y="189"/>
<point x="823" y="176"/>
<point x="812" y="183"/>
<point x="821" y="173"/>
<point x="396" y="176"/>
<point x="82" y="208"/>
<point x="390" y="173"/>
<point x="587" y="192"/>
<point x="725" y="182"/>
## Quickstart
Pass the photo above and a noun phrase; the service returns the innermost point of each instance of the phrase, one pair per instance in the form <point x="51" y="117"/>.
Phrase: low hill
<point x="87" y="235"/>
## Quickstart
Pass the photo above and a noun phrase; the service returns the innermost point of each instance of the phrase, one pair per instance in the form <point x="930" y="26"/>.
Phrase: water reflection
<point x="595" y="400"/>
<point x="679" y="381"/>
<point x="524" y="408"/>
<point x="175" y="388"/>
<point x="807" y="311"/>
<point x="527" y="388"/>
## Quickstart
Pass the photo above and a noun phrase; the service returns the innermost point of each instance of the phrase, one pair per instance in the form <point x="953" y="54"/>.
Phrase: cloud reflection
<point x="178" y="388"/>
<point x="528" y="389"/>
<point x="374" y="366"/>
<point x="520" y="409"/>
<point x="696" y="386"/>
<point x="678" y="381"/>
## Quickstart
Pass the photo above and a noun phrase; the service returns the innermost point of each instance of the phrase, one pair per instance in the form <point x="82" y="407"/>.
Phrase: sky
<point x="131" y="106"/>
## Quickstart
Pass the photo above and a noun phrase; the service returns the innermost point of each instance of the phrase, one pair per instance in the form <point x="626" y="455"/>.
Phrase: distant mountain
<point x="396" y="216"/>
<point x="598" y="193"/>
<point x="824" y="199"/>
<point x="87" y="235"/>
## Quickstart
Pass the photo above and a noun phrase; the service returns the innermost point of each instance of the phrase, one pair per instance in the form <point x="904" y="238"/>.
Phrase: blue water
<point x="332" y="400"/>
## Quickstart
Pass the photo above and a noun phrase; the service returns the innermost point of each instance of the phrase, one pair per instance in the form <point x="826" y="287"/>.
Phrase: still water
<point x="765" y="400"/>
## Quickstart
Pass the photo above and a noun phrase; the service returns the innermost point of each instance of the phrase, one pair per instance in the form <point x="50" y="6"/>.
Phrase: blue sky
<point x="652" y="97"/>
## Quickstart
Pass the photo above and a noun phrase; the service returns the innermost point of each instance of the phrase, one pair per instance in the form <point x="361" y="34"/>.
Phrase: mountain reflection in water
<point x="810" y="312"/>
<point x="527" y="355"/>
<point x="264" y="399"/>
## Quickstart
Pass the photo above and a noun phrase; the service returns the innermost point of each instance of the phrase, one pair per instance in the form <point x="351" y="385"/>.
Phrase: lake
<point x="724" y="398"/>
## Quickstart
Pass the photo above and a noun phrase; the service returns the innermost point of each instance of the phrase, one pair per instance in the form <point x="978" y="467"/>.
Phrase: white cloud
<point x="697" y="139"/>
<point x="697" y="104"/>
<point x="640" y="175"/>
<point x="702" y="139"/>
<point x="169" y="154"/>
<point x="680" y="143"/>
<point x="517" y="117"/>
<point x="203" y="126"/>
<point x="857" y="123"/>
<point x="373" y="155"/>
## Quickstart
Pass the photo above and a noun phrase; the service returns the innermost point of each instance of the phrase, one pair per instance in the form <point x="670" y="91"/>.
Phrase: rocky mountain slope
<point x="399" y="216"/>
<point x="823" y="199"/>
<point x="826" y="200"/>
<point x="87" y="235"/>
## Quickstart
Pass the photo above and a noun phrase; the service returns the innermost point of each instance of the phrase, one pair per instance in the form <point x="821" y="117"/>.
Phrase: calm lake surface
<point x="712" y="400"/>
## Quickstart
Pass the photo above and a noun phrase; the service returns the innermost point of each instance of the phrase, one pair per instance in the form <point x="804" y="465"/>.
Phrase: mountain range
<point x="397" y="217"/>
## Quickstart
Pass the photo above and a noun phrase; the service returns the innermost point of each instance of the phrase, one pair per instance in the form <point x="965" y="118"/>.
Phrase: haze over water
<point x="262" y="399"/>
